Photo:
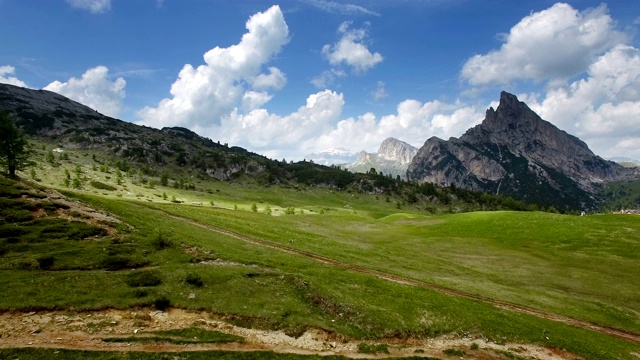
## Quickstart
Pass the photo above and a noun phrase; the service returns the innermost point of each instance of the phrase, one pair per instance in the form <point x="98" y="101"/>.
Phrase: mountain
<point x="393" y="157"/>
<point x="516" y="153"/>
<point x="338" y="156"/>
<point x="626" y="162"/>
<point x="69" y="124"/>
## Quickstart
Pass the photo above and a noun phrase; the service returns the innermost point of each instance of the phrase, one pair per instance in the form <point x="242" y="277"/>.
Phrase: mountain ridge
<point x="517" y="153"/>
<point x="392" y="158"/>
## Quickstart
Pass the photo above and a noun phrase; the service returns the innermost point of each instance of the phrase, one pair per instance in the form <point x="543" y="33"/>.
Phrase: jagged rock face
<point x="393" y="157"/>
<point x="514" y="152"/>
<point x="395" y="150"/>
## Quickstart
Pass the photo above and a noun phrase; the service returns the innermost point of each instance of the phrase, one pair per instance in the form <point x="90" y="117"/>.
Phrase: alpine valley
<point x="512" y="153"/>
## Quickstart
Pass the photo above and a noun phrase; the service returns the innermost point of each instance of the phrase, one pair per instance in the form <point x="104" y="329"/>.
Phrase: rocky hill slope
<point x="393" y="157"/>
<point x="69" y="124"/>
<point x="514" y="152"/>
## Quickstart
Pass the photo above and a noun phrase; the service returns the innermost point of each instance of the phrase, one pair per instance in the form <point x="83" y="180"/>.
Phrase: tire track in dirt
<point x="619" y="333"/>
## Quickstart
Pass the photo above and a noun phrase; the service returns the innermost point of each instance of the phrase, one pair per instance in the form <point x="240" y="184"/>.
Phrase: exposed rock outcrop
<point x="393" y="157"/>
<point x="514" y="152"/>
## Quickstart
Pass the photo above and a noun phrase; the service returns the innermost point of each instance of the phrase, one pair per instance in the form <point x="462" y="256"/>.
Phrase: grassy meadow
<point x="580" y="267"/>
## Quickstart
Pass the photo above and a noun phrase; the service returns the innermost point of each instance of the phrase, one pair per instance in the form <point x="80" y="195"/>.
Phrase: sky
<point x="290" y="78"/>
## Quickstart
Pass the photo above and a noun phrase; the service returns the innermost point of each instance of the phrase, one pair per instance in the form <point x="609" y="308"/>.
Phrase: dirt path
<point x="623" y="334"/>
<point x="86" y="331"/>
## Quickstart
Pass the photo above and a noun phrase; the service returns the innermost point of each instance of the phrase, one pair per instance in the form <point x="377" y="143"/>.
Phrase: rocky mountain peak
<point x="396" y="150"/>
<point x="514" y="151"/>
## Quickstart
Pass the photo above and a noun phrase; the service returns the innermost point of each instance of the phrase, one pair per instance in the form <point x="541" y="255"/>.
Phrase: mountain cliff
<point x="393" y="157"/>
<point x="514" y="152"/>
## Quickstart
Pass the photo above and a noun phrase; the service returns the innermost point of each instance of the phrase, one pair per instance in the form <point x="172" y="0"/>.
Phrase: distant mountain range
<point x="392" y="158"/>
<point x="516" y="153"/>
<point x="338" y="156"/>
<point x="626" y="162"/>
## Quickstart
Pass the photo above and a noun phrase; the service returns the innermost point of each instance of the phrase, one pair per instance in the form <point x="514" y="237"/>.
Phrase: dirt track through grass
<point x="626" y="335"/>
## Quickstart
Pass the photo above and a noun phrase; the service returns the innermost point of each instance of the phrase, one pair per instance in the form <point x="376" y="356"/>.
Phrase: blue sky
<point x="289" y="78"/>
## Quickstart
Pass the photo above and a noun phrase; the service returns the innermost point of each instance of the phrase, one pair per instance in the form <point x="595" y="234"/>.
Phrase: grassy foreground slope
<point x="256" y="286"/>
<point x="581" y="267"/>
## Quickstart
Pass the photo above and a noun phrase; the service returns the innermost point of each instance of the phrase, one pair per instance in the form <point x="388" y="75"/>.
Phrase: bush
<point x="119" y="262"/>
<point x="102" y="186"/>
<point x="454" y="352"/>
<point x="161" y="241"/>
<point x="45" y="262"/>
<point x="194" y="279"/>
<point x="365" y="348"/>
<point x="162" y="303"/>
<point x="143" y="278"/>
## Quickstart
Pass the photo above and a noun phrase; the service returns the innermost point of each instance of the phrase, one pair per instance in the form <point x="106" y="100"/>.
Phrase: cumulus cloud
<point x="414" y="122"/>
<point x="5" y="78"/>
<point x="351" y="49"/>
<point x="276" y="135"/>
<point x="604" y="107"/>
<point x="93" y="6"/>
<point x="275" y="79"/>
<point x="202" y="95"/>
<point x="551" y="45"/>
<point x="94" y="89"/>
<point x="340" y="8"/>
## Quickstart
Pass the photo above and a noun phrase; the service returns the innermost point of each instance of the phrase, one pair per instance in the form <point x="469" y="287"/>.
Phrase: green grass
<point x="582" y="267"/>
<point x="37" y="354"/>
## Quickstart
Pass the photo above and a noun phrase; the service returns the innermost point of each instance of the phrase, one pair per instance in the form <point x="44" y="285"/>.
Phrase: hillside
<point x="307" y="259"/>
<point x="182" y="157"/>
<point x="516" y="153"/>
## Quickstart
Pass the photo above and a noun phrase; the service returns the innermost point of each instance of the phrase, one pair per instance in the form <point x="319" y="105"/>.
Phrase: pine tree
<point x="14" y="148"/>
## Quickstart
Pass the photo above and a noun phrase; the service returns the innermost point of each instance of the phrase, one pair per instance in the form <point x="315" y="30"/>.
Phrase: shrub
<point x="45" y="262"/>
<point x="119" y="262"/>
<point x="194" y="279"/>
<point x="102" y="186"/>
<point x="143" y="278"/>
<point x="11" y="231"/>
<point x="454" y="352"/>
<point x="161" y="241"/>
<point x="365" y="348"/>
<point x="162" y="303"/>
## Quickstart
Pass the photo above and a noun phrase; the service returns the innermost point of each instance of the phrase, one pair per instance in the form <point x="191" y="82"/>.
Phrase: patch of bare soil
<point x="86" y="331"/>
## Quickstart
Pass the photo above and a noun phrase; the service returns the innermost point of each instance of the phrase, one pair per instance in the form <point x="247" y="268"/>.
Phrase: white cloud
<point x="551" y="45"/>
<point x="340" y="8"/>
<point x="278" y="135"/>
<point x="252" y="100"/>
<point x="327" y="78"/>
<point x="11" y="80"/>
<point x="202" y="96"/>
<point x="94" y="6"/>
<point x="94" y="89"/>
<point x="380" y="92"/>
<point x="351" y="50"/>
<point x="602" y="109"/>
<point x="274" y="80"/>
<point x="414" y="122"/>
